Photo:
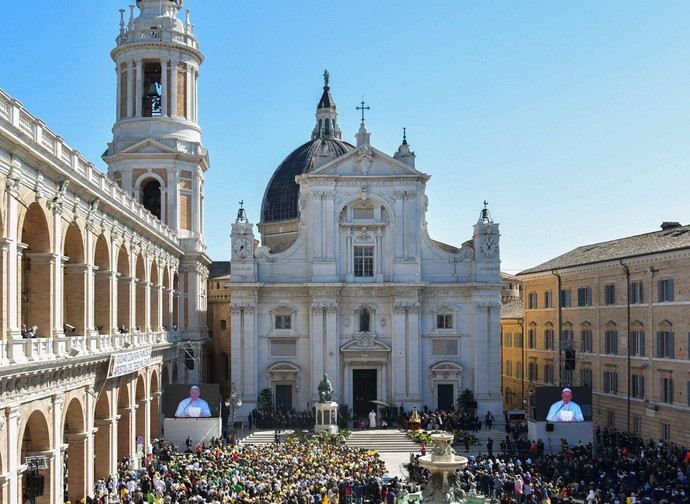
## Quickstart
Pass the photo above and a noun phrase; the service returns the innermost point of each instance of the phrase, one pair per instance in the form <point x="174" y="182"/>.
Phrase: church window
<point x="364" y="320"/>
<point x="151" y="96"/>
<point x="283" y="348"/>
<point x="443" y="347"/>
<point x="151" y="198"/>
<point x="444" y="321"/>
<point x="223" y="325"/>
<point x="283" y="322"/>
<point x="364" y="261"/>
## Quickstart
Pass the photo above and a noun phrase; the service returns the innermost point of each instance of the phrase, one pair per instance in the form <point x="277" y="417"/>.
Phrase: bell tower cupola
<point x="326" y="114"/>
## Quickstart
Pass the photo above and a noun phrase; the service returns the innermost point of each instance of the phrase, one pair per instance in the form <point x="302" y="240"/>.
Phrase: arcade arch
<point x="74" y="283"/>
<point x="35" y="441"/>
<point x="36" y="271"/>
<point x="74" y="462"/>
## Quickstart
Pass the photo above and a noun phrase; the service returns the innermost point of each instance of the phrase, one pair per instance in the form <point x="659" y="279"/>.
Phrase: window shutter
<point x="660" y="291"/>
<point x="659" y="335"/>
<point x="671" y="290"/>
<point x="614" y="342"/>
<point x="670" y="345"/>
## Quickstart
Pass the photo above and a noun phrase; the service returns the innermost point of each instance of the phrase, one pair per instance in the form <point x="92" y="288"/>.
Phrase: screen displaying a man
<point x="565" y="410"/>
<point x="193" y="406"/>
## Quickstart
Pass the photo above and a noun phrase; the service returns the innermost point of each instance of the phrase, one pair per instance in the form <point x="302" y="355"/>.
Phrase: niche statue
<point x="325" y="390"/>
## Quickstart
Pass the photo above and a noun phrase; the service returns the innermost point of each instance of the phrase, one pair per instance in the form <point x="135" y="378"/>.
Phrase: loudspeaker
<point x="549" y="427"/>
<point x="36" y="482"/>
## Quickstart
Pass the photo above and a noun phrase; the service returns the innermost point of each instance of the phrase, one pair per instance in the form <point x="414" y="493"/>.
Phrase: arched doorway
<point x="124" y="422"/>
<point x="35" y="449"/>
<point x="102" y="441"/>
<point x="140" y="402"/>
<point x="141" y="294"/>
<point x="74" y="284"/>
<point x="103" y="293"/>
<point x="155" y="405"/>
<point x="75" y="484"/>
<point x="124" y="283"/>
<point x="155" y="298"/>
<point x="36" y="277"/>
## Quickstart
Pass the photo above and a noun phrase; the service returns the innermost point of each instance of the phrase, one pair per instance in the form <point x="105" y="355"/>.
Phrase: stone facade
<point x="103" y="267"/>
<point x="622" y="306"/>
<point x="358" y="290"/>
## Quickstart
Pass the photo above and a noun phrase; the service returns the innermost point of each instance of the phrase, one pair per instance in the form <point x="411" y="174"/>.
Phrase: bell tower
<point x="156" y="154"/>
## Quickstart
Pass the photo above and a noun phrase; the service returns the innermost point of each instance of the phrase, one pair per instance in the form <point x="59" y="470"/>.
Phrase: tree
<point x="266" y="399"/>
<point x="466" y="400"/>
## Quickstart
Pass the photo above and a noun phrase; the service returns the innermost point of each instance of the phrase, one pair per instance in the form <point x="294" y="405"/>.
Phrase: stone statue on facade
<point x="325" y="390"/>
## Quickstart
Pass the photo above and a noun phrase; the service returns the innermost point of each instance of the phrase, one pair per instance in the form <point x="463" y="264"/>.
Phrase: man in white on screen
<point x="565" y="410"/>
<point x="194" y="406"/>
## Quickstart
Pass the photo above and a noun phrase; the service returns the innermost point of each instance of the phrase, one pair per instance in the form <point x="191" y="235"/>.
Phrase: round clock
<point x="488" y="246"/>
<point x="242" y="247"/>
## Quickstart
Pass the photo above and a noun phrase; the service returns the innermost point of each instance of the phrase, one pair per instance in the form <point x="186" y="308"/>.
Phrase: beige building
<point x="513" y="383"/>
<point x="622" y="308"/>
<point x="102" y="277"/>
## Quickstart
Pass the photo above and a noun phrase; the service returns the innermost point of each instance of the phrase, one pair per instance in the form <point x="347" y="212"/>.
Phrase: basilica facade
<point x="103" y="277"/>
<point x="340" y="277"/>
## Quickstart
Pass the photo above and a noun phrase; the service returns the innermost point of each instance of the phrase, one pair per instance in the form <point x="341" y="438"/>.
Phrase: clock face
<point x="242" y="247"/>
<point x="489" y="246"/>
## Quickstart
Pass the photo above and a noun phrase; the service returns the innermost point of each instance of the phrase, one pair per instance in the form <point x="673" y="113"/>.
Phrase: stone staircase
<point x="389" y="440"/>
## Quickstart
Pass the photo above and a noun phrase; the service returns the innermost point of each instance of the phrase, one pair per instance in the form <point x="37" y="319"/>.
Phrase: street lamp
<point x="233" y="402"/>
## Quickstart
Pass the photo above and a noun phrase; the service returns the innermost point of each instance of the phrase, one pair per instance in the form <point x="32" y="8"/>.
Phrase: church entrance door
<point x="363" y="391"/>
<point x="445" y="396"/>
<point x="283" y="397"/>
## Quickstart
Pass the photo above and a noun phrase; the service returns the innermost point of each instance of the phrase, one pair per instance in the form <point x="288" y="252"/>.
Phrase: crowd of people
<point x="620" y="469"/>
<point x="269" y="418"/>
<point x="314" y="472"/>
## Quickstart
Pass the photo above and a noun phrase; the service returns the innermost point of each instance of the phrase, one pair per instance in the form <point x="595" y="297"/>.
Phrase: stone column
<point x="130" y="89"/>
<point x="173" y="92"/>
<point x="79" y="484"/>
<point x="12" y="420"/>
<point x="138" y="91"/>
<point x="57" y="272"/>
<point x="164" y="89"/>
<point x="399" y="350"/>
<point x="332" y="363"/>
<point x="11" y="280"/>
<point x="55" y="464"/>
<point x="90" y="302"/>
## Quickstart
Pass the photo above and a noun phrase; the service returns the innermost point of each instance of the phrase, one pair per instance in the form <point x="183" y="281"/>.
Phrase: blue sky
<point x="571" y="118"/>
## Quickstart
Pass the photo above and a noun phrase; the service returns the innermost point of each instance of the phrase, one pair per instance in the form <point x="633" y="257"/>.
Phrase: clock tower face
<point x="242" y="247"/>
<point x="488" y="245"/>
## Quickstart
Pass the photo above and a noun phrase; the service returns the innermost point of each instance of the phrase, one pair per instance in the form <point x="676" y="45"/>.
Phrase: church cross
<point x="363" y="108"/>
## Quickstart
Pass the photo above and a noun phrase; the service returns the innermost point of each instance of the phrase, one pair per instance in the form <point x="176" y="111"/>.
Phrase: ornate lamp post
<point x="233" y="402"/>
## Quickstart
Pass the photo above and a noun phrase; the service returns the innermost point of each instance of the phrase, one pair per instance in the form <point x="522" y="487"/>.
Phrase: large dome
<point x="281" y="199"/>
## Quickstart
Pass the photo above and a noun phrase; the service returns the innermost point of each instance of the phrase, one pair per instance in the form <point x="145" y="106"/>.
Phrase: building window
<point x="548" y="299"/>
<point x="518" y="340"/>
<point x="532" y="371"/>
<point x="664" y="344"/>
<point x="364" y="320"/>
<point x="283" y="348"/>
<point x="364" y="261"/>
<point x="637" y="343"/>
<point x="567" y="335"/>
<point x="666" y="390"/>
<point x="444" y="321"/>
<point x="586" y="336"/>
<point x="666" y="432"/>
<point x="509" y="368"/>
<point x="586" y="376"/>
<point x="548" y="373"/>
<point x="584" y="296"/>
<point x="518" y="370"/>
<point x="609" y="294"/>
<point x="636" y="293"/>
<point x="611" y="419"/>
<point x="637" y="425"/>
<point x="508" y="339"/>
<point x="565" y="298"/>
<point x="440" y="347"/>
<point x="611" y="342"/>
<point x="532" y="338"/>
<point x="610" y="382"/>
<point x="223" y="325"/>
<point x="637" y="386"/>
<point x="532" y="301"/>
<point x="666" y="290"/>
<point x="283" y="322"/>
<point x="549" y="342"/>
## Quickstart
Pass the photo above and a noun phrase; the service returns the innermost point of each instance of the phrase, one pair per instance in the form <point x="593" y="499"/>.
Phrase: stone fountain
<point x="442" y="463"/>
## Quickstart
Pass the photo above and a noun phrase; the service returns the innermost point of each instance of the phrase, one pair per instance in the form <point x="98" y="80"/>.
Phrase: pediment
<point x="148" y="146"/>
<point x="366" y="161"/>
<point x="365" y="344"/>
